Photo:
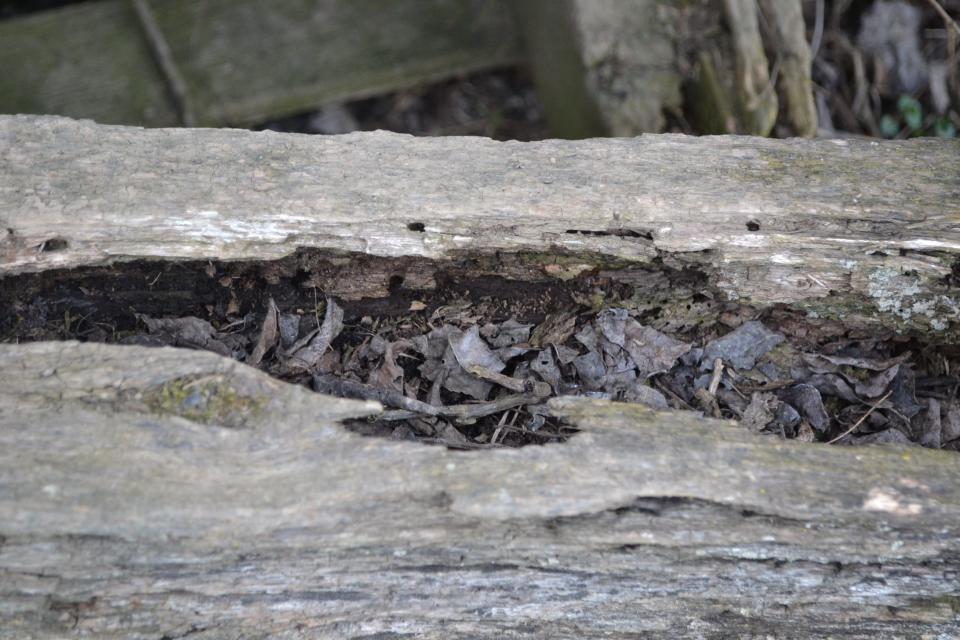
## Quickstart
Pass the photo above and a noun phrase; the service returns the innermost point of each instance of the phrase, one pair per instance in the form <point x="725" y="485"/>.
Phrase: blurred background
<point x="520" y="69"/>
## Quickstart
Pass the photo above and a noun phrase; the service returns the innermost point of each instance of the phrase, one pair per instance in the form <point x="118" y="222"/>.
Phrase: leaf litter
<point x="458" y="378"/>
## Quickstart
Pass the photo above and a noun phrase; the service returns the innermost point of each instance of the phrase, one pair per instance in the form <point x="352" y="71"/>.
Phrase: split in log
<point x="125" y="516"/>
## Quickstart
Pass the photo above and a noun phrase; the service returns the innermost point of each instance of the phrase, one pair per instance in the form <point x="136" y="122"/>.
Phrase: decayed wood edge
<point x="856" y="230"/>
<point x="122" y="518"/>
<point x="95" y="62"/>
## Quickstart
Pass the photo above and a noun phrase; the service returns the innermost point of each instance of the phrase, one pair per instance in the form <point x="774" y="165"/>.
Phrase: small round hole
<point x="395" y="283"/>
<point x="53" y="244"/>
<point x="753" y="225"/>
<point x="417" y="226"/>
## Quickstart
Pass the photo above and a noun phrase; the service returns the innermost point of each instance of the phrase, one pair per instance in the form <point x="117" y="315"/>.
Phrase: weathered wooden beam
<point x="856" y="230"/>
<point x="241" y="61"/>
<point x="190" y="494"/>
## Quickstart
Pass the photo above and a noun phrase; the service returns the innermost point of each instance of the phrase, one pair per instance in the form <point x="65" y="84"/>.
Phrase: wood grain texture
<point x="243" y="61"/>
<point x="857" y="230"/>
<point x="126" y="514"/>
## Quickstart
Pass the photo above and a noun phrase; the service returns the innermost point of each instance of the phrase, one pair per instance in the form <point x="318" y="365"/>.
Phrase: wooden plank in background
<point x="249" y="60"/>
<point x="86" y="61"/>
<point x="244" y="61"/>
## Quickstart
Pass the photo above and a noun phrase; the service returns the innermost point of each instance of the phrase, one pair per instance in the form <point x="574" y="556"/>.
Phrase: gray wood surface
<point x="860" y="231"/>
<point x="242" y="61"/>
<point x="127" y="513"/>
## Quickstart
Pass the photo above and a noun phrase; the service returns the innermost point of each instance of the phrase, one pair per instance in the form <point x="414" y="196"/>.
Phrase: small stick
<point x="717" y="375"/>
<point x="514" y="384"/>
<point x="946" y="16"/>
<point x="481" y="409"/>
<point x="862" y="418"/>
<point x="496" y="433"/>
<point x="411" y="408"/>
<point x="337" y="386"/>
<point x="680" y="402"/>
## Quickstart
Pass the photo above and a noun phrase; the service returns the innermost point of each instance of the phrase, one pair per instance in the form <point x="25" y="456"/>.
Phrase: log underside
<point x="259" y="515"/>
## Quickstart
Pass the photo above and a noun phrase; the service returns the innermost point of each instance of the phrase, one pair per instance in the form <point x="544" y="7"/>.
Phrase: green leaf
<point x="944" y="128"/>
<point x="889" y="127"/>
<point x="911" y="111"/>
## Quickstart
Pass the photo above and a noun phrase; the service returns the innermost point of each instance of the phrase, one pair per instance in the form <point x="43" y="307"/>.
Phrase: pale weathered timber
<point x="129" y="509"/>
<point x="240" y="61"/>
<point x="861" y="231"/>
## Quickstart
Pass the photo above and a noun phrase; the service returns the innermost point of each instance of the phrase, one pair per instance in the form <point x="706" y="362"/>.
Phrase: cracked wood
<point x="123" y="515"/>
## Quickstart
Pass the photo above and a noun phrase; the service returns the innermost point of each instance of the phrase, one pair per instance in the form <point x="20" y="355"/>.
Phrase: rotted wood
<point x="864" y="232"/>
<point x="193" y="495"/>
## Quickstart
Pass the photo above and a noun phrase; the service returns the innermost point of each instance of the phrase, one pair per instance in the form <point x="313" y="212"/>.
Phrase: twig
<point x="717" y="375"/>
<point x="946" y="16"/>
<point x="334" y="385"/>
<point x="500" y="425"/>
<point x="461" y="411"/>
<point x="862" y="418"/>
<point x="680" y="402"/>
<point x="410" y="408"/>
<point x="817" y="31"/>
<point x="514" y="384"/>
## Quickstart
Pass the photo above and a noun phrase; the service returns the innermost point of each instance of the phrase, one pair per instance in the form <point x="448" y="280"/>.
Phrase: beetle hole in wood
<point x="53" y="245"/>
<point x="419" y="227"/>
<point x="753" y="225"/>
